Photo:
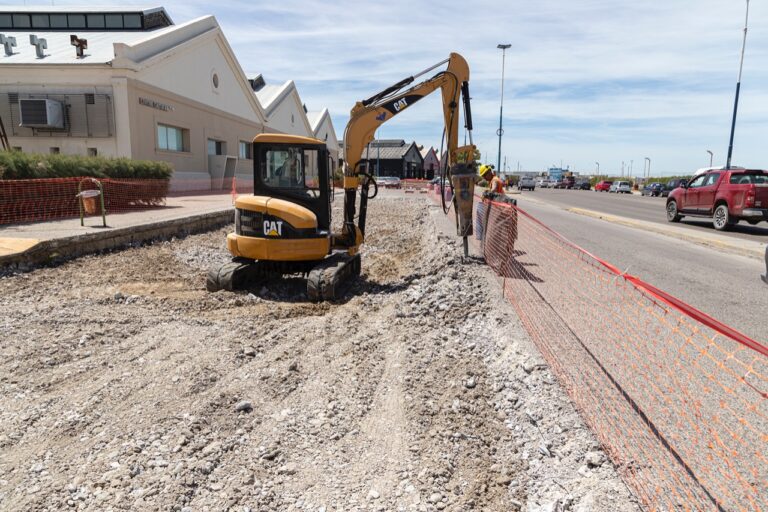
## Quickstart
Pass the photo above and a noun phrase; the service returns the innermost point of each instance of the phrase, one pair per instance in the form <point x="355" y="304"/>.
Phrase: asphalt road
<point x="725" y="286"/>
<point x="649" y="209"/>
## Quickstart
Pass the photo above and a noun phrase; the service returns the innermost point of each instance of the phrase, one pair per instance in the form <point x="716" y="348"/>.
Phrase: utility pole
<point x="500" y="131"/>
<point x="738" y="89"/>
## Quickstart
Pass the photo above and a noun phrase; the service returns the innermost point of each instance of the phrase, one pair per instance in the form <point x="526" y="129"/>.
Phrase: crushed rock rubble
<point x="124" y="385"/>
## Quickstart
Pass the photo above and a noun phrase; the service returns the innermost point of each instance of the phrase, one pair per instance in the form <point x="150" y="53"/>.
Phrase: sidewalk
<point x="23" y="245"/>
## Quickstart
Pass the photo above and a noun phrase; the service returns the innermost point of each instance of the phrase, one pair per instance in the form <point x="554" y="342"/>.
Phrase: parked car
<point x="672" y="185"/>
<point x="582" y="185"/>
<point x="388" y="182"/>
<point x="541" y="182"/>
<point x="603" y="186"/>
<point x="621" y="187"/>
<point x="652" y="189"/>
<point x="526" y="183"/>
<point x="725" y="196"/>
<point x="558" y="184"/>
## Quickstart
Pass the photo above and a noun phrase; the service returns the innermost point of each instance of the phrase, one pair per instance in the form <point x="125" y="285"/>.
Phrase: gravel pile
<point x="125" y="386"/>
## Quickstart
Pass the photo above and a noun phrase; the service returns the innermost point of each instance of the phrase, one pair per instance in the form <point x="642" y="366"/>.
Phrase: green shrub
<point x="15" y="165"/>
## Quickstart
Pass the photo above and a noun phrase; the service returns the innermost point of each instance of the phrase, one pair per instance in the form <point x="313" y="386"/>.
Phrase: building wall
<point x="288" y="116"/>
<point x="431" y="165"/>
<point x="413" y="163"/>
<point x="150" y="106"/>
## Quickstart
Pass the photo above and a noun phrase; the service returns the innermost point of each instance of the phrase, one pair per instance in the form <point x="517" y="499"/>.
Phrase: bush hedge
<point x="15" y="165"/>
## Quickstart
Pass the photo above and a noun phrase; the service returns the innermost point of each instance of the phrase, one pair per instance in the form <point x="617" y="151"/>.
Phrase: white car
<point x="621" y="187"/>
<point x="526" y="183"/>
<point x="541" y="182"/>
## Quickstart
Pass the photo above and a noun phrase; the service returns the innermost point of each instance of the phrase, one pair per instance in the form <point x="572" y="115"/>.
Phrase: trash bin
<point x="89" y="199"/>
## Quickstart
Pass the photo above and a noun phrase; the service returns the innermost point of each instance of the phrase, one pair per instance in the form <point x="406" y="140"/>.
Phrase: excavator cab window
<point x="296" y="173"/>
<point x="292" y="168"/>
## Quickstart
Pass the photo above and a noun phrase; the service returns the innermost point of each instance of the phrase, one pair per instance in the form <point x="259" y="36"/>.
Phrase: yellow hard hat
<point x="483" y="170"/>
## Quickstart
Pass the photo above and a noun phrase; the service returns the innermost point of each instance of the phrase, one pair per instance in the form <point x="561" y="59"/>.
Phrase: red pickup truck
<point x="725" y="195"/>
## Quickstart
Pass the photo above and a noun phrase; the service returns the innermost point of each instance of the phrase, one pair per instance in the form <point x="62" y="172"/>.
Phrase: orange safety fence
<point x="678" y="399"/>
<point x="39" y="200"/>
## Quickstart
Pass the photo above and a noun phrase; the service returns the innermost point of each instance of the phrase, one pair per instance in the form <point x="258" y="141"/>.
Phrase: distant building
<point x="556" y="173"/>
<point x="394" y="158"/>
<point x="431" y="164"/>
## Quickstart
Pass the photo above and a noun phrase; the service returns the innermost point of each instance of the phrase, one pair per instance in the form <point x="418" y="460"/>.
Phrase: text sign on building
<point x="155" y="104"/>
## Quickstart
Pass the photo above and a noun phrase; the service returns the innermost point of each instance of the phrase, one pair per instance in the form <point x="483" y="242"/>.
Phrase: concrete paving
<point x="22" y="245"/>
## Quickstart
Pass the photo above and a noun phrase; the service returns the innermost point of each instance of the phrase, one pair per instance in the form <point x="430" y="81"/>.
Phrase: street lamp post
<point x="500" y="131"/>
<point x="649" y="167"/>
<point x="710" y="157"/>
<point x="738" y="88"/>
<point x="598" y="168"/>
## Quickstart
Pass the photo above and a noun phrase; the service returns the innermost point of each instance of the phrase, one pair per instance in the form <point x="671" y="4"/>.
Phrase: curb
<point x="71" y="247"/>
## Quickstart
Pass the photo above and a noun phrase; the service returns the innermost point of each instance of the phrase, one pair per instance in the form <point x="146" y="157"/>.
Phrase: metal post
<point x="500" y="132"/>
<point x="738" y="89"/>
<point x="649" y="166"/>
<point x="710" y="157"/>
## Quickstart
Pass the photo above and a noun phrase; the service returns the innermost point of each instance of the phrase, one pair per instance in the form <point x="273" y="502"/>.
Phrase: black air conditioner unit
<point x="41" y="113"/>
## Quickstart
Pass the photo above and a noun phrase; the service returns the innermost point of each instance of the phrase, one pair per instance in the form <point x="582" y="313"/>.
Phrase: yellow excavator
<point x="285" y="226"/>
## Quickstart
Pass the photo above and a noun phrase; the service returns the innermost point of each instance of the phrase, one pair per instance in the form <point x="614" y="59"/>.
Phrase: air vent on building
<point x="41" y="113"/>
<point x="90" y="99"/>
<point x="13" y="97"/>
<point x="257" y="83"/>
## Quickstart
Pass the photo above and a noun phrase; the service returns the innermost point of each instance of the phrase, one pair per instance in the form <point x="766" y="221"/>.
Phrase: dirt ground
<point x="124" y="385"/>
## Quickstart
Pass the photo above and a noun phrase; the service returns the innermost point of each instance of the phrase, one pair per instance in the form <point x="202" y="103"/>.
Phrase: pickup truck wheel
<point x="672" y="215"/>
<point x="721" y="218"/>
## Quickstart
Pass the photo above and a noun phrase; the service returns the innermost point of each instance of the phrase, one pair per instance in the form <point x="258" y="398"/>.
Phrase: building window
<point x="54" y="150"/>
<point x="132" y="20"/>
<point x="21" y="21"/>
<point x="215" y="81"/>
<point x="76" y="20"/>
<point x="170" y="138"/>
<point x="114" y="20"/>
<point x="40" y="21"/>
<point x="93" y="152"/>
<point x="95" y="21"/>
<point x="58" y="20"/>
<point x="245" y="150"/>
<point x="216" y="147"/>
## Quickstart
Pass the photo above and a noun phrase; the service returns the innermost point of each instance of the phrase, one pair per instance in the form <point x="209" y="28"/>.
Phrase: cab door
<point x="690" y="197"/>
<point x="707" y="192"/>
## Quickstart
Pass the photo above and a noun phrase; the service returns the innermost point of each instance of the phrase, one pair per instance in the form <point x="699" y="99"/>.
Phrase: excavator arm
<point x="366" y="116"/>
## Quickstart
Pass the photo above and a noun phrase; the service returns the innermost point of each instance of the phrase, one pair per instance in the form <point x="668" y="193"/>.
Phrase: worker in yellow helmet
<point x="494" y="183"/>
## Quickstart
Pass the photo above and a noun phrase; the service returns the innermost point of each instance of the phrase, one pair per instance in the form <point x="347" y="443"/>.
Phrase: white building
<point x="130" y="83"/>
<point x="322" y="128"/>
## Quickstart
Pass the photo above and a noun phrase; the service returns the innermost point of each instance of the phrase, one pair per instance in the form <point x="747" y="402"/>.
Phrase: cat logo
<point x="273" y="228"/>
<point x="400" y="104"/>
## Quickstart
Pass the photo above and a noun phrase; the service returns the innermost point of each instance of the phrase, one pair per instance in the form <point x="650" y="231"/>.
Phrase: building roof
<point x="315" y="118"/>
<point x="271" y="95"/>
<point x="60" y="50"/>
<point x="425" y="151"/>
<point x="387" y="149"/>
<point x="388" y="143"/>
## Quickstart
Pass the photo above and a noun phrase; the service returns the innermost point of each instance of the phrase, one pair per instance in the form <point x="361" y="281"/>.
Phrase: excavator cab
<point x="294" y="169"/>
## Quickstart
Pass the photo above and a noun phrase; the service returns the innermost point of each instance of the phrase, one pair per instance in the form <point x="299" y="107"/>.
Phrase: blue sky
<point x="588" y="81"/>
